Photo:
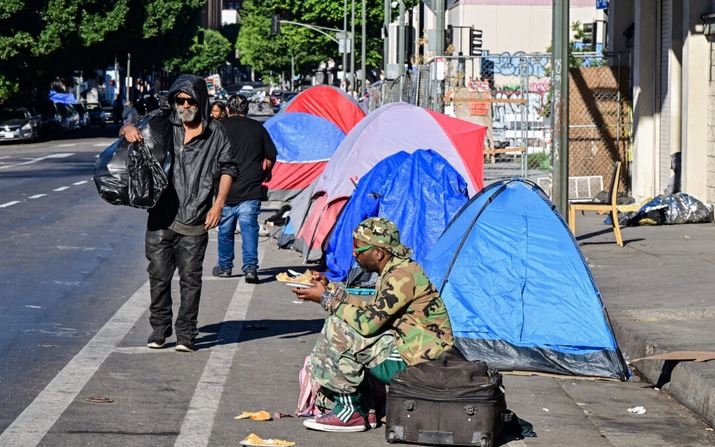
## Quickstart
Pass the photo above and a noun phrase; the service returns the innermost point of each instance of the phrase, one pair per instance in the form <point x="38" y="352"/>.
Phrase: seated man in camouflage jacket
<point x="404" y="324"/>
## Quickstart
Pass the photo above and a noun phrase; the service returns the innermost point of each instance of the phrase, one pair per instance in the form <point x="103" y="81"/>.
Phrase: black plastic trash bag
<point x="147" y="179"/>
<point x="136" y="174"/>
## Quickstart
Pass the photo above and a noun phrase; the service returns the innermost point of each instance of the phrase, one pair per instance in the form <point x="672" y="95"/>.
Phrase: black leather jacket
<point x="196" y="168"/>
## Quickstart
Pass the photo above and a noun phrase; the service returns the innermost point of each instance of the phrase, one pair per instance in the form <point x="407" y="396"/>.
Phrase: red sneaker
<point x="372" y="419"/>
<point x="330" y="422"/>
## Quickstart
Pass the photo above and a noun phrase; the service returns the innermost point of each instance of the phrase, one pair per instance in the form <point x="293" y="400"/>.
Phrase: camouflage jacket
<point x="407" y="303"/>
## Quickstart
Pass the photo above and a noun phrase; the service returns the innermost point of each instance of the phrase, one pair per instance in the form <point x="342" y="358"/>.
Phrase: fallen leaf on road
<point x="255" y="440"/>
<point x="262" y="415"/>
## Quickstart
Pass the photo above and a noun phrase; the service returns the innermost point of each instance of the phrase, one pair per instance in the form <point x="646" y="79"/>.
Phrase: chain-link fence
<point x="510" y="94"/>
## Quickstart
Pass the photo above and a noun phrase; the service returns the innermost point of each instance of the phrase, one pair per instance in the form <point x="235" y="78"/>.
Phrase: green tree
<point x="205" y="56"/>
<point x="43" y="39"/>
<point x="303" y="47"/>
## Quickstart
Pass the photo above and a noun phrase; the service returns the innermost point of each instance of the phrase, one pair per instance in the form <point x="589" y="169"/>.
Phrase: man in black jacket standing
<point x="177" y="228"/>
<point x="255" y="155"/>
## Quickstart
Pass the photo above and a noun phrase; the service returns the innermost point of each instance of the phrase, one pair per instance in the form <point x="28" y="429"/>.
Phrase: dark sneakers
<point x="251" y="276"/>
<point x="221" y="272"/>
<point x="184" y="345"/>
<point x="158" y="337"/>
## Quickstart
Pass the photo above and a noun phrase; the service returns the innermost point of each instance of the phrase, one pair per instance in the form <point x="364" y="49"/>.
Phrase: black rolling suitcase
<point x="448" y="401"/>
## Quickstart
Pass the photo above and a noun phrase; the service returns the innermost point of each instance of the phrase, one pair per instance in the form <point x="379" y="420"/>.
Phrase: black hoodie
<point x="196" y="166"/>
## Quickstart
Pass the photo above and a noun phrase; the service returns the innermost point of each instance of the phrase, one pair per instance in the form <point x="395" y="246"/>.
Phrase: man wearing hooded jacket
<point x="177" y="228"/>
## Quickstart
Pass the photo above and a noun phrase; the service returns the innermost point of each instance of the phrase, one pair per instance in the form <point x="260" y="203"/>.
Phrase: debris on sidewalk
<point x="637" y="410"/>
<point x="255" y="440"/>
<point x="262" y="415"/>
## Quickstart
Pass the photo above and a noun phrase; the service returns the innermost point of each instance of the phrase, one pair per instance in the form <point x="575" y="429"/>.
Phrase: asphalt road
<point x="73" y="305"/>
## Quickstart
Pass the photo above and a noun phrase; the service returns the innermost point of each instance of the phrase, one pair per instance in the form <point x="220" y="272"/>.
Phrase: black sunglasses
<point x="181" y="101"/>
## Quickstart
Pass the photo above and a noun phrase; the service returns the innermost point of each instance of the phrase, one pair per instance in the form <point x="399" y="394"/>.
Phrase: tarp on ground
<point x="420" y="192"/>
<point x="518" y="290"/>
<point x="304" y="143"/>
<point x="389" y="129"/>
<point x="64" y="98"/>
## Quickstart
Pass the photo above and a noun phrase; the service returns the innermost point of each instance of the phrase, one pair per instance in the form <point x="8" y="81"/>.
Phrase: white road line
<point x="61" y="188"/>
<point x="33" y="424"/>
<point x="82" y="182"/>
<point x="67" y="145"/>
<point x="5" y="205"/>
<point x="37" y="196"/>
<point x="199" y="420"/>
<point x="35" y="160"/>
<point x="37" y="419"/>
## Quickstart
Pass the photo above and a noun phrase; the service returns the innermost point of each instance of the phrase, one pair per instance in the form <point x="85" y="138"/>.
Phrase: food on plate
<point x="304" y="278"/>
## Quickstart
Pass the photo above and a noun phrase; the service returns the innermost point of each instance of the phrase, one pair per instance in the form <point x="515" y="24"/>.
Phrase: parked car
<point x="70" y="117"/>
<point x="97" y="116"/>
<point x="19" y="123"/>
<point x="221" y="94"/>
<point x="108" y="111"/>
<point x="285" y="99"/>
<point x="83" y="115"/>
<point x="248" y="91"/>
<point x="51" y="119"/>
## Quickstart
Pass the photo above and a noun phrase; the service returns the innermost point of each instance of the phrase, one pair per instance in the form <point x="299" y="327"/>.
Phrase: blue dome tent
<point x="518" y="290"/>
<point x="420" y="192"/>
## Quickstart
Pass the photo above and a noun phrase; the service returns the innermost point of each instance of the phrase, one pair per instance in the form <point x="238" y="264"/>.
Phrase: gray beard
<point x="187" y="115"/>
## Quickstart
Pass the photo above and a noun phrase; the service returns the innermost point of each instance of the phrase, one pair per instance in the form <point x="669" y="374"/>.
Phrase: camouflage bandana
<point x="381" y="232"/>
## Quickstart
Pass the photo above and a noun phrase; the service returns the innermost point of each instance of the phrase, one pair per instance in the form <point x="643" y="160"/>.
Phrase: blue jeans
<point x="246" y="213"/>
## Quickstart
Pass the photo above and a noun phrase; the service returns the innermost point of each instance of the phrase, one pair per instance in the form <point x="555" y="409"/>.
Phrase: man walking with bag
<point x="177" y="228"/>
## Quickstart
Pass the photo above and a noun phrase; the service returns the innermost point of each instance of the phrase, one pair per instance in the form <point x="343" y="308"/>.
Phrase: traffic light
<point x="589" y="36"/>
<point x="448" y="36"/>
<point x="475" y="42"/>
<point x="276" y="24"/>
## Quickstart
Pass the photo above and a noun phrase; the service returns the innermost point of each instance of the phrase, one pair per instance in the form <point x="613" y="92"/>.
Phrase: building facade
<point x="669" y="47"/>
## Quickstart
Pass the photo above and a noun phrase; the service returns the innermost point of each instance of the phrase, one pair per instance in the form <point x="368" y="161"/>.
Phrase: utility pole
<point x="345" y="43"/>
<point x="560" y="106"/>
<point x="363" y="55"/>
<point x="401" y="40"/>
<point x="129" y="77"/>
<point x="439" y="27"/>
<point x="386" y="37"/>
<point x="352" y="47"/>
<point x="117" y="80"/>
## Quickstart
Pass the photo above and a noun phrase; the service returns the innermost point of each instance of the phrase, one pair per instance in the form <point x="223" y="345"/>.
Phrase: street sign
<point x="601" y="4"/>
<point x="344" y="42"/>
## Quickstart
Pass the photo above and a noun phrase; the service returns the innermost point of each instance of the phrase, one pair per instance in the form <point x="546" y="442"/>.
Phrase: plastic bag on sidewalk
<point x="136" y="174"/>
<point x="678" y="208"/>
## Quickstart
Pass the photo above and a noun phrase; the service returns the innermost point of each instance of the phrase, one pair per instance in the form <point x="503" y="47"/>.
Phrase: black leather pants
<point x="167" y="251"/>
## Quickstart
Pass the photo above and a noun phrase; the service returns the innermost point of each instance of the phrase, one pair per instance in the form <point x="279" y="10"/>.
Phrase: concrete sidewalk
<point x="659" y="290"/>
<point x="253" y="340"/>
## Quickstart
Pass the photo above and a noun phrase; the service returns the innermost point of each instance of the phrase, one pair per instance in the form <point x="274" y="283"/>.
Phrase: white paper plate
<point x="297" y="285"/>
